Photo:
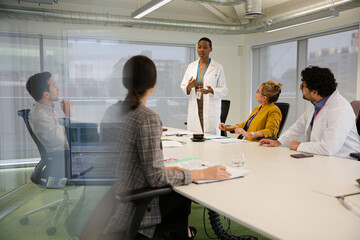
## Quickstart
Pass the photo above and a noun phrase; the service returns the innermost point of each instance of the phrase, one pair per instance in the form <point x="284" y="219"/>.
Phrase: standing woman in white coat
<point x="204" y="83"/>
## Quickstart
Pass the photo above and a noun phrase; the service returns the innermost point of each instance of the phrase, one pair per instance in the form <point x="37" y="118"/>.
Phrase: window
<point x="20" y="58"/>
<point x="284" y="62"/>
<point x="278" y="63"/>
<point x="339" y="52"/>
<point x="89" y="73"/>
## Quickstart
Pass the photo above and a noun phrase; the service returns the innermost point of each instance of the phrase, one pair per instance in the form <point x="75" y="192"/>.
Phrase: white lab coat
<point x="334" y="131"/>
<point x="215" y="78"/>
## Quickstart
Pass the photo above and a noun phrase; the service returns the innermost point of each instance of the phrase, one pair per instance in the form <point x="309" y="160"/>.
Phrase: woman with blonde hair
<point x="264" y="121"/>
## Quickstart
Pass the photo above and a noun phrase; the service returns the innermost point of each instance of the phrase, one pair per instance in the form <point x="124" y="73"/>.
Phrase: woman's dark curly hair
<point x="319" y="79"/>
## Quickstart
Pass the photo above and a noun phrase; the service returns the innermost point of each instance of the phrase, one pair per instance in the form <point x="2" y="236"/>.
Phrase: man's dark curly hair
<point x="319" y="79"/>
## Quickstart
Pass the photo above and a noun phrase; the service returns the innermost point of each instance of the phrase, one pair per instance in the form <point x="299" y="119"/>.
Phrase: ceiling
<point x="183" y="15"/>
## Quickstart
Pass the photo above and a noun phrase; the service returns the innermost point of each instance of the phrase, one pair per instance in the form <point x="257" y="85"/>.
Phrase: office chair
<point x="284" y="108"/>
<point x="356" y="106"/>
<point x="141" y="199"/>
<point x="105" y="208"/>
<point x="225" y="106"/>
<point x="48" y="173"/>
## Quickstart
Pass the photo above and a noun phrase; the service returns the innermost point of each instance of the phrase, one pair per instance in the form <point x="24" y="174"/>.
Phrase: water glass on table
<point x="238" y="158"/>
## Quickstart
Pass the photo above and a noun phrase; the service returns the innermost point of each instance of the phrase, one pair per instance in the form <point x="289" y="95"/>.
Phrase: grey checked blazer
<point x="136" y="136"/>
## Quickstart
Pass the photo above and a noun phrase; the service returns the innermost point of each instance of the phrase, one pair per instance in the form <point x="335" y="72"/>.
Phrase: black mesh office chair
<point x="225" y="106"/>
<point x="48" y="173"/>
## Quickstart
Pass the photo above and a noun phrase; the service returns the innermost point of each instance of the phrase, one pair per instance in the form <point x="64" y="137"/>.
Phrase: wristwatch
<point x="252" y="135"/>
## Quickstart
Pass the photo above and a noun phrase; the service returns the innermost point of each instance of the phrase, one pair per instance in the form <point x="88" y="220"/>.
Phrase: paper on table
<point x="229" y="140"/>
<point x="171" y="143"/>
<point x="177" y="133"/>
<point x="195" y="164"/>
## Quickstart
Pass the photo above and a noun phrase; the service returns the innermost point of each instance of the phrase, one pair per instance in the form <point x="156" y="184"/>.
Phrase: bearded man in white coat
<point x="328" y="125"/>
<point x="204" y="83"/>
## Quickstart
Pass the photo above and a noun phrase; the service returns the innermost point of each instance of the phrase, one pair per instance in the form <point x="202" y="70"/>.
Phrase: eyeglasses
<point x="258" y="91"/>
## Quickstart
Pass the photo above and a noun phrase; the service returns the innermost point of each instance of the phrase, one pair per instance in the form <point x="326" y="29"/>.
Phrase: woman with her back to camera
<point x="137" y="131"/>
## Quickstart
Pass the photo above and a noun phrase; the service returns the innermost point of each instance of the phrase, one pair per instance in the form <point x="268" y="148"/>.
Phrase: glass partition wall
<point x="89" y="75"/>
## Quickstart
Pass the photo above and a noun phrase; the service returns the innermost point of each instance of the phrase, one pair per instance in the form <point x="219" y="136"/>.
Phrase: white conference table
<point x="281" y="197"/>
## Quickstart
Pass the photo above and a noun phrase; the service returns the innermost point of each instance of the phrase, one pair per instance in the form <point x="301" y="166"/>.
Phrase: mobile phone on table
<point x="301" y="155"/>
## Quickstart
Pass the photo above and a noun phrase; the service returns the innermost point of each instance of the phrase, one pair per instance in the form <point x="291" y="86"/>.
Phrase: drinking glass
<point x="238" y="158"/>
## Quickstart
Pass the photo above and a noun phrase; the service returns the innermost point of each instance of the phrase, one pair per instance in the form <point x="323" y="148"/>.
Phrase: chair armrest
<point x="144" y="193"/>
<point x="140" y="198"/>
<point x="355" y="155"/>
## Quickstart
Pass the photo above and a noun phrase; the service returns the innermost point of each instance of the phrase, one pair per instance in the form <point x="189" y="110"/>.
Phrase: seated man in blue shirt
<point x="329" y="126"/>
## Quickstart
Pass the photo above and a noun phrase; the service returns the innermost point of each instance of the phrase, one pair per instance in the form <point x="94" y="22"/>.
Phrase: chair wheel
<point x="51" y="231"/>
<point x="24" y="221"/>
<point x="53" y="208"/>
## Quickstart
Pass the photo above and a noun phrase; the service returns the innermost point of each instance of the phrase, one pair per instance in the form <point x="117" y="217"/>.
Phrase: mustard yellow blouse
<point x="267" y="120"/>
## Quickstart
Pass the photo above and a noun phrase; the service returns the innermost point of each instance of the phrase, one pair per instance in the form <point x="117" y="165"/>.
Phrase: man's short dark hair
<point x="207" y="40"/>
<point x="319" y="79"/>
<point x="38" y="84"/>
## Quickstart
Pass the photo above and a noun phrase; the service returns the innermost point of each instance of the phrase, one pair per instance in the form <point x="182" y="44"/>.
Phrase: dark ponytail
<point x="139" y="74"/>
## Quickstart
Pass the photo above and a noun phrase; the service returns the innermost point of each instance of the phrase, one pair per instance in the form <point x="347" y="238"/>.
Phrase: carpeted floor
<point x="197" y="218"/>
<point x="69" y="225"/>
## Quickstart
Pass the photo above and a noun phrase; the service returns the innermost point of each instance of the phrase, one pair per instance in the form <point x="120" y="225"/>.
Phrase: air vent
<point x="219" y="2"/>
<point x="254" y="15"/>
<point x="253" y="9"/>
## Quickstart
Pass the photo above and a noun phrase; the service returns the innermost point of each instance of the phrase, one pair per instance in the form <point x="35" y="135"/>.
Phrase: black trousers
<point x="175" y="210"/>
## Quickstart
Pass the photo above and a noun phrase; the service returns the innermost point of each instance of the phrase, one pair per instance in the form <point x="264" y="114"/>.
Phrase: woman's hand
<point x="211" y="173"/>
<point x="223" y="127"/>
<point x="192" y="83"/>
<point x="269" y="142"/>
<point x="207" y="91"/>
<point x="241" y="131"/>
